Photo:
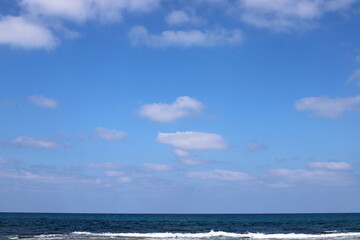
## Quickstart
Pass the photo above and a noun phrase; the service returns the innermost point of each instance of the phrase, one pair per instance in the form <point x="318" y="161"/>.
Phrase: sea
<point x="41" y="226"/>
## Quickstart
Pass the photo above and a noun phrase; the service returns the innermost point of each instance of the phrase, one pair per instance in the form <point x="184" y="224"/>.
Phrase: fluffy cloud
<point x="330" y="165"/>
<point x="162" y="112"/>
<point x="158" y="167"/>
<point x="105" y="165"/>
<point x="40" y="19"/>
<point x="185" y="158"/>
<point x="35" y="143"/>
<point x="328" y="107"/>
<point x="254" y="146"/>
<point x="83" y="10"/>
<point x="221" y="175"/>
<point x="192" y="140"/>
<point x="282" y="15"/>
<point x="109" y="134"/>
<point x="23" y="33"/>
<point x="42" y="101"/>
<point x="179" y="17"/>
<point x="188" y="38"/>
<point x="355" y="76"/>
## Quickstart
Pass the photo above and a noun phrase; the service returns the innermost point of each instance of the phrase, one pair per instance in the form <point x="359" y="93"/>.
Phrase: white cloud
<point x="42" y="101"/>
<point x="185" y="158"/>
<point x="162" y="112"/>
<point x="109" y="134"/>
<point x="47" y="177"/>
<point x="84" y="10"/>
<point x="34" y="28"/>
<point x="312" y="176"/>
<point x="282" y="15"/>
<point x="355" y="77"/>
<point x="254" y="146"/>
<point x="330" y="165"/>
<point x="158" y="167"/>
<point x="189" y="38"/>
<point x="328" y="107"/>
<point x="35" y="143"/>
<point x="179" y="17"/>
<point x="21" y="32"/>
<point x="192" y="140"/>
<point x="124" y="179"/>
<point x="105" y="165"/>
<point x="114" y="173"/>
<point x="221" y="175"/>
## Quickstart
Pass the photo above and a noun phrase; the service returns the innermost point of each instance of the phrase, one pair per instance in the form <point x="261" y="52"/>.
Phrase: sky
<point x="158" y="106"/>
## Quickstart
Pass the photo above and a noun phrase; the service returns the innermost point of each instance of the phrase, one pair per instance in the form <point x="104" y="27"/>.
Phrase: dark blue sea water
<point x="179" y="226"/>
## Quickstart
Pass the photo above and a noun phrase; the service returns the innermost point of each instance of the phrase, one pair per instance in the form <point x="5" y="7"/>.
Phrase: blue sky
<point x="153" y="106"/>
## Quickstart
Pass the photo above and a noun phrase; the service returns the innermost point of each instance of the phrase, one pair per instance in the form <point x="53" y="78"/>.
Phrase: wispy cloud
<point x="330" y="165"/>
<point x="180" y="108"/>
<point x="35" y="143"/>
<point x="158" y="167"/>
<point x="44" y="102"/>
<point x="255" y="146"/>
<point x="85" y="10"/>
<point x="105" y="165"/>
<point x="284" y="15"/>
<point x="355" y="77"/>
<point x="328" y="107"/>
<point x="118" y="176"/>
<point x="112" y="173"/>
<point x="50" y="177"/>
<point x="7" y="160"/>
<point x="185" y="158"/>
<point x="23" y="33"/>
<point x="139" y="35"/>
<point x="109" y="134"/>
<point x="310" y="176"/>
<point x="193" y="140"/>
<point x="221" y="175"/>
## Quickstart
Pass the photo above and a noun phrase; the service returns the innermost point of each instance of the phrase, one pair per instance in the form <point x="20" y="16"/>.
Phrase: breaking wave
<point x="211" y="235"/>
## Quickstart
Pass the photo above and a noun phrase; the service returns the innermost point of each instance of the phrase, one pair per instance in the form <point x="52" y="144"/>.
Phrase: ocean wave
<point x="207" y="235"/>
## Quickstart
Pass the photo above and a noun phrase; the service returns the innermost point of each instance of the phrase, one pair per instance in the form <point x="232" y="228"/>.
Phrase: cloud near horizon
<point x="328" y="107"/>
<point x="105" y="165"/>
<point x="221" y="175"/>
<point x="192" y="140"/>
<point x="161" y="112"/>
<point x="330" y="165"/>
<point x="158" y="167"/>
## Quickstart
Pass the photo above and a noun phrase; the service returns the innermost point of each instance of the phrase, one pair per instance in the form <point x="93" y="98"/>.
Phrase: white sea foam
<point x="211" y="234"/>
